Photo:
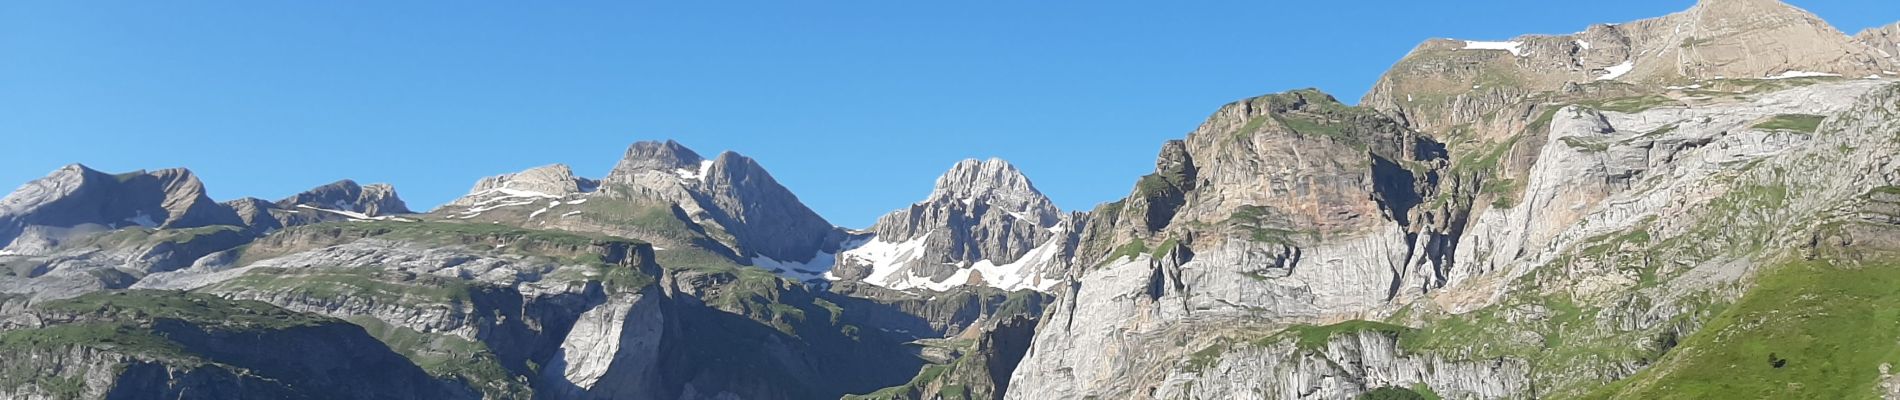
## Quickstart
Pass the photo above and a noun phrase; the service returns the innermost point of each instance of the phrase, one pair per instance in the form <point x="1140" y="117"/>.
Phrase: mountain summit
<point x="1715" y="39"/>
<point x="984" y="224"/>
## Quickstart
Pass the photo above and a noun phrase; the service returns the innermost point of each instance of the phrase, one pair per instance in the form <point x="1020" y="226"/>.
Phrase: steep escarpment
<point x="1289" y="207"/>
<point x="1525" y="232"/>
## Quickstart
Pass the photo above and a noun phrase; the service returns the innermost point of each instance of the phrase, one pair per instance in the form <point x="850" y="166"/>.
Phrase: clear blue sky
<point x="855" y="105"/>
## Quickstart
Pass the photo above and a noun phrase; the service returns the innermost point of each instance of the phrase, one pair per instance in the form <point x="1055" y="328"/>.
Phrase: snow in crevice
<point x="507" y="197"/>
<point x="1617" y="71"/>
<point x="1516" y="48"/>
<point x="1585" y="44"/>
<point x="550" y="207"/>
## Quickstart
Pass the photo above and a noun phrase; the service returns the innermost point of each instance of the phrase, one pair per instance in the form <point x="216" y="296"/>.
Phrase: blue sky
<point x="855" y="105"/>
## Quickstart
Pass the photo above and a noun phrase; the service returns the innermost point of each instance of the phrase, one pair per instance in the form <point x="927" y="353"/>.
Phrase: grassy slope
<point x="1830" y="325"/>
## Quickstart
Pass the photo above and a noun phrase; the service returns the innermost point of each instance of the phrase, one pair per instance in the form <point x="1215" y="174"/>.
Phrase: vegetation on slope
<point x="1807" y="329"/>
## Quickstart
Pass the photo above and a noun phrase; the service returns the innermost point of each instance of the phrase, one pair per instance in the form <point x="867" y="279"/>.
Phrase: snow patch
<point x="1617" y="71"/>
<point x="355" y="216"/>
<point x="1514" y="47"/>
<point x="819" y="268"/>
<point x="1800" y="74"/>
<point x="705" y="167"/>
<point x="510" y="192"/>
<point x="889" y="260"/>
<point x="885" y="258"/>
<point x="1583" y="43"/>
<point x="142" y="220"/>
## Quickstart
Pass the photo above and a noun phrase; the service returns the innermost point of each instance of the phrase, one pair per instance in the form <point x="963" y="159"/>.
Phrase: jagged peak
<point x="973" y="178"/>
<point x="994" y="182"/>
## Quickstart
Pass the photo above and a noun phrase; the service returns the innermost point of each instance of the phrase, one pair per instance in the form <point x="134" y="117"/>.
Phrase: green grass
<point x="1310" y="337"/>
<point x="1167" y="246"/>
<point x="116" y="336"/>
<point x="1263" y="226"/>
<point x="928" y="374"/>
<point x="237" y="315"/>
<point x="346" y="282"/>
<point x="1128" y="250"/>
<point x="559" y="245"/>
<point x="1304" y="337"/>
<point x="1632" y="105"/>
<point x="1807" y="330"/>
<point x="1485" y="158"/>
<point x="447" y="356"/>
<point x="1503" y="192"/>
<point x="1803" y="123"/>
<point x="118" y="321"/>
<point x="1312" y="113"/>
<point x="468" y="233"/>
<point x="1152" y="185"/>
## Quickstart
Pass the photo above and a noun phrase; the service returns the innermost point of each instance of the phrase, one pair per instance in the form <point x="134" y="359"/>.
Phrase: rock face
<point x="1343" y="367"/>
<point x="1886" y="40"/>
<point x="984" y="224"/>
<point x="1279" y="208"/>
<point x="78" y="199"/>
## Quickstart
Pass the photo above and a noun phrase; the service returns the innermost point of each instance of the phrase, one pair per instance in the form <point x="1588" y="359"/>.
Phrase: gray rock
<point x="75" y="197"/>
<point x="984" y="224"/>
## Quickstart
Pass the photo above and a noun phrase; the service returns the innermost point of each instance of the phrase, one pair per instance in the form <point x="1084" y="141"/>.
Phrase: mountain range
<point x="1700" y="205"/>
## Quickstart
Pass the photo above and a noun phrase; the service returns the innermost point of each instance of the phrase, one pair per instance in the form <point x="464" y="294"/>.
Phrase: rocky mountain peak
<point x="553" y="180"/>
<point x="994" y="182"/>
<point x="347" y="195"/>
<point x="1884" y="40"/>
<point x="1742" y="7"/>
<point x="984" y="224"/>
<point x="656" y="156"/>
<point x="76" y="196"/>
<point x="1711" y="41"/>
<point x="766" y="218"/>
